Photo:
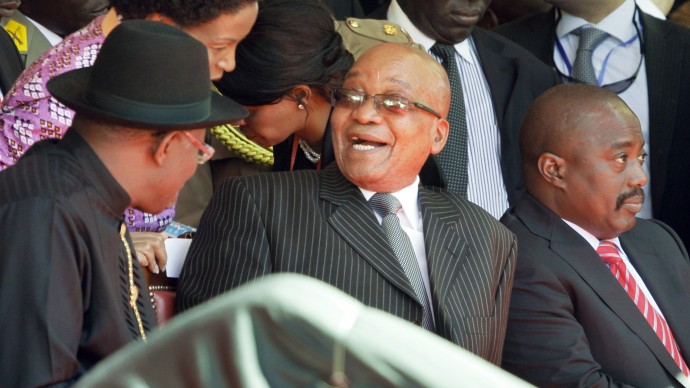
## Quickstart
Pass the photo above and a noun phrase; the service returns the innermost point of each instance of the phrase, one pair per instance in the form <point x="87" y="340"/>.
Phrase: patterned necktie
<point x="453" y="159"/>
<point x="609" y="254"/>
<point x="387" y="206"/>
<point x="583" y="70"/>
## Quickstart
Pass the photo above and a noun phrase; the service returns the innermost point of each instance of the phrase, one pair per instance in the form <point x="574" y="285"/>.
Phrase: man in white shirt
<point x="499" y="80"/>
<point x="642" y="59"/>
<point x="454" y="275"/>
<point x="600" y="297"/>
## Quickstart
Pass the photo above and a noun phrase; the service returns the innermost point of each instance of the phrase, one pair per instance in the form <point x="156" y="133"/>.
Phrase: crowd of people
<point x="509" y="176"/>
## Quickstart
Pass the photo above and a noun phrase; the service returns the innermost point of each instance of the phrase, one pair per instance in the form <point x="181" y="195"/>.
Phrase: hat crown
<point x="134" y="64"/>
<point x="147" y="75"/>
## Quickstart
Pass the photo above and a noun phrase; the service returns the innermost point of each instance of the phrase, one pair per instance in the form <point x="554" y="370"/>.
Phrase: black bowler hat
<point x="148" y="75"/>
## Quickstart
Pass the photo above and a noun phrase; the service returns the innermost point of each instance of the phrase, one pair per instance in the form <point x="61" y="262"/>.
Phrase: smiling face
<point x="383" y="151"/>
<point x="222" y="35"/>
<point x="446" y="21"/>
<point x="603" y="172"/>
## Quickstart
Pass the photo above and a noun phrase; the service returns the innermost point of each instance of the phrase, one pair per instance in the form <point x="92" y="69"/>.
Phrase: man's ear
<point x="163" y="147"/>
<point x="440" y="136"/>
<point x="552" y="168"/>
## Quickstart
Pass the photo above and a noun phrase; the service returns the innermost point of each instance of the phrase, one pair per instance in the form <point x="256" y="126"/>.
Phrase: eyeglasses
<point x="619" y="86"/>
<point x="383" y="103"/>
<point x="205" y="151"/>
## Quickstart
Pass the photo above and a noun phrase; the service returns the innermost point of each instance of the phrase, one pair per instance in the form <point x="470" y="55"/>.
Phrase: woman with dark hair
<point x="286" y="68"/>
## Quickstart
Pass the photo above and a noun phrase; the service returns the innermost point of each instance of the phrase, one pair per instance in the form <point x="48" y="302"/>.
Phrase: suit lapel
<point x="656" y="269"/>
<point x="356" y="223"/>
<point x="542" y="25"/>
<point x="664" y="69"/>
<point x="574" y="250"/>
<point x="445" y="248"/>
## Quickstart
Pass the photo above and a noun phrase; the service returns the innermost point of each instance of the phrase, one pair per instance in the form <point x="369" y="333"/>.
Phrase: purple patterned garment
<point x="30" y="114"/>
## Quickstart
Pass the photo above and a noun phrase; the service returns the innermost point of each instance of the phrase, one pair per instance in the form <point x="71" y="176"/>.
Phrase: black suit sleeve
<point x="230" y="228"/>
<point x="541" y="304"/>
<point x="545" y="342"/>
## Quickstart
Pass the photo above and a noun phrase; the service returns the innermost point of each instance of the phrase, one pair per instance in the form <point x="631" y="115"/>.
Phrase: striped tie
<point x="386" y="205"/>
<point x="609" y="254"/>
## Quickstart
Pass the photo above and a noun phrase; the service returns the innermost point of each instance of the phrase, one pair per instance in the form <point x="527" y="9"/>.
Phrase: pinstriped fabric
<point x="319" y="224"/>
<point x="60" y="212"/>
<point x="471" y="263"/>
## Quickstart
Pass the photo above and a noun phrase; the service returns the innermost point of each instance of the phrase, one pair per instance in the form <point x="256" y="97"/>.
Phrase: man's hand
<point x="150" y="248"/>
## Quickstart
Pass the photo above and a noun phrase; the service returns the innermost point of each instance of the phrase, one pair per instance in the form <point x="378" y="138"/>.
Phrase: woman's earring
<point x="300" y="106"/>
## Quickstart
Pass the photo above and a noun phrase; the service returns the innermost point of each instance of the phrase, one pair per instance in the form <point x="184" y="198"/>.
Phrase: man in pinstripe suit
<point x="320" y="223"/>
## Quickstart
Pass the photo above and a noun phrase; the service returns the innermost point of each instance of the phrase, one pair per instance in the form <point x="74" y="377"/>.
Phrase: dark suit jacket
<point x="515" y="79"/>
<point x="667" y="59"/>
<point x="10" y="62"/>
<point x="570" y="321"/>
<point x="319" y="224"/>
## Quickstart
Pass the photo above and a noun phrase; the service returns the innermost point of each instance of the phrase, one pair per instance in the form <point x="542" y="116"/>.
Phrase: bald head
<point x="424" y="72"/>
<point x="562" y="116"/>
<point x="382" y="146"/>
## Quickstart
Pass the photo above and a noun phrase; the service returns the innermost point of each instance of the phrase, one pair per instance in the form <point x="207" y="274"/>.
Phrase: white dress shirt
<point x="613" y="60"/>
<point x="485" y="177"/>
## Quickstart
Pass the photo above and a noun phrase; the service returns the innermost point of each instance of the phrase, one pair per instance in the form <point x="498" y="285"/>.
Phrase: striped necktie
<point x="609" y="254"/>
<point x="386" y="205"/>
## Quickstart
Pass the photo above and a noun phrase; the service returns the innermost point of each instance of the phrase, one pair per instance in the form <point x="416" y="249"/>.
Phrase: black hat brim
<point x="70" y="89"/>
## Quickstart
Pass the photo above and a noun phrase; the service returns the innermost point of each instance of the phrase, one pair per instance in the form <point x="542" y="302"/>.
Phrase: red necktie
<point x="609" y="254"/>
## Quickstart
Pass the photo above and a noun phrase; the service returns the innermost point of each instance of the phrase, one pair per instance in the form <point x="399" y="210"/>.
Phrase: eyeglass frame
<point x="377" y="98"/>
<point x="206" y="151"/>
<point x="617" y="87"/>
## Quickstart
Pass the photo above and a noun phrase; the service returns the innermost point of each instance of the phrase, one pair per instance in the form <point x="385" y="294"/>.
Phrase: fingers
<point x="150" y="249"/>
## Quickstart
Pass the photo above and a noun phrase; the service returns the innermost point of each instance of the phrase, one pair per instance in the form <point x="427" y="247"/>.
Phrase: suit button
<point x="417" y="323"/>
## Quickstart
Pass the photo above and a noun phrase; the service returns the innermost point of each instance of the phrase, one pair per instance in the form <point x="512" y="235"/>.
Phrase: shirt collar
<point x="115" y="198"/>
<point x="611" y="24"/>
<point x="408" y="198"/>
<point x="397" y="15"/>
<point x="593" y="241"/>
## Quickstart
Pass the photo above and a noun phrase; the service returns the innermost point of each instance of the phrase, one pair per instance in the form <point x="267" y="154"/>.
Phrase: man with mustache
<point x="600" y="297"/>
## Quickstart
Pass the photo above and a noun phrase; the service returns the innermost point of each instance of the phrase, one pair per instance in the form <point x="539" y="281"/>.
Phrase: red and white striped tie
<point x="609" y="254"/>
